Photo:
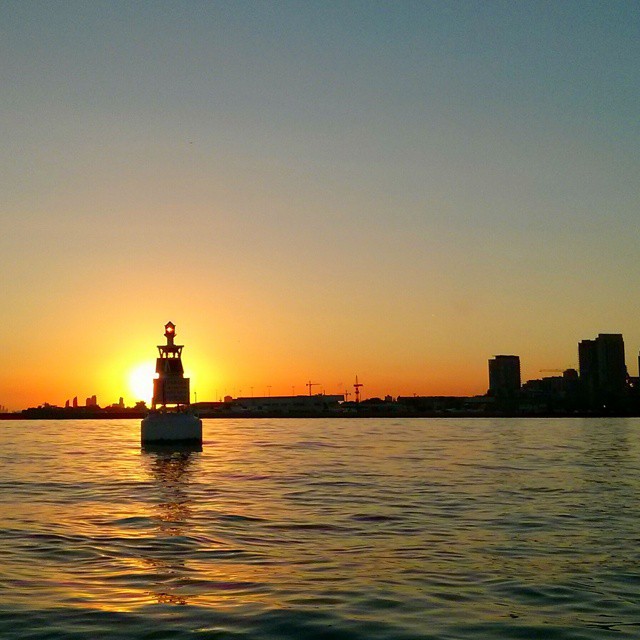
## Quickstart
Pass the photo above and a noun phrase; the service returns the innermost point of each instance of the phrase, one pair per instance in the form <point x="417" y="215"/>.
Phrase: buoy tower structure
<point x="170" y="419"/>
<point x="170" y="387"/>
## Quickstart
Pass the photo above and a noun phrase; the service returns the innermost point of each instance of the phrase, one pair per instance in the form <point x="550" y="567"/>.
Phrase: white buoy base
<point x="159" y="427"/>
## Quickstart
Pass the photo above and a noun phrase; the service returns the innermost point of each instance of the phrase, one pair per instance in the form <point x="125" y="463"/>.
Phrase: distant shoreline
<point x="130" y="415"/>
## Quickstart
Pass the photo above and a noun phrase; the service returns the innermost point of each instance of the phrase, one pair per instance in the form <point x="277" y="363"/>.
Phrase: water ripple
<point x="321" y="529"/>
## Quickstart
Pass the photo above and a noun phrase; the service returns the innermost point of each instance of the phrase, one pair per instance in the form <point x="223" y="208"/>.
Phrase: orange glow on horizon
<point x="225" y="354"/>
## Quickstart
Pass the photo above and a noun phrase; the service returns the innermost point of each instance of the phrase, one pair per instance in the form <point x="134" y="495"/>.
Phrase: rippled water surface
<point x="363" y="529"/>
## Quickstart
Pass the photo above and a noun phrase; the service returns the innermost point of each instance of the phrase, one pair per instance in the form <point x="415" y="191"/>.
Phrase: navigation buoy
<point x="171" y="419"/>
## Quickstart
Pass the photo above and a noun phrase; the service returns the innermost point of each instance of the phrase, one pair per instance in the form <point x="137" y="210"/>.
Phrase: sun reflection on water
<point x="166" y="558"/>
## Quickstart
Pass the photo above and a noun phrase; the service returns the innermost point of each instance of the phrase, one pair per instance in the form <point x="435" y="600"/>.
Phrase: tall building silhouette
<point x="504" y="376"/>
<point x="603" y="371"/>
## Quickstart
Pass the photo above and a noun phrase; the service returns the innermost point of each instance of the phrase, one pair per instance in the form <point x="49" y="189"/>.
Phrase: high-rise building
<point x="92" y="401"/>
<point x="588" y="365"/>
<point x="504" y="376"/>
<point x="603" y="371"/>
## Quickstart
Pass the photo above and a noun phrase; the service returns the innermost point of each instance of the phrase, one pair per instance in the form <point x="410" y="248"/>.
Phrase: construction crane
<point x="312" y="384"/>
<point x="357" y="386"/>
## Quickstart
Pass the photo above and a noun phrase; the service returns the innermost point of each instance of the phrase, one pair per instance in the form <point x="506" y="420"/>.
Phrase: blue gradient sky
<point x="314" y="190"/>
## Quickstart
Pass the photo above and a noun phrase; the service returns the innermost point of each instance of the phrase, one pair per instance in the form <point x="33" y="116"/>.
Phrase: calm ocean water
<point x="322" y="529"/>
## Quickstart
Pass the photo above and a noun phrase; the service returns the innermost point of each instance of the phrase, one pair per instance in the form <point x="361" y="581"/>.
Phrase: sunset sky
<point x="314" y="190"/>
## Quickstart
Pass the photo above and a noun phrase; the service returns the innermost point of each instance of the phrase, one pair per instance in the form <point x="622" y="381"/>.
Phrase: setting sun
<point x="141" y="381"/>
